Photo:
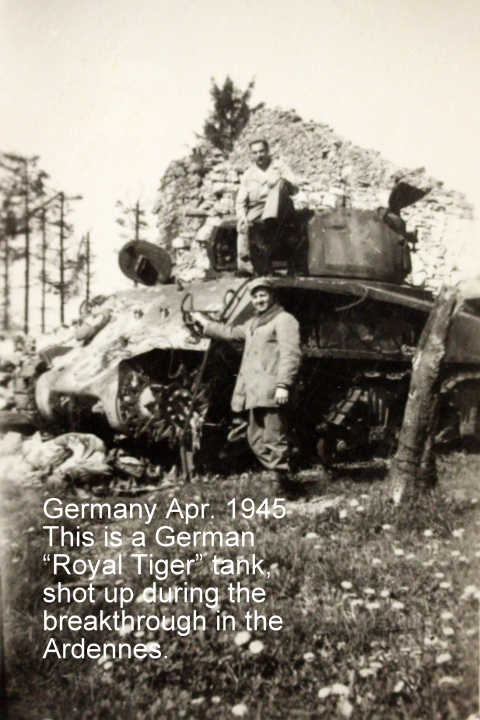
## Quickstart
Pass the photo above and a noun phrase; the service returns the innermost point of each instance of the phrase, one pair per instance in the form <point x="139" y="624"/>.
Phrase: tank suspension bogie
<point x="161" y="410"/>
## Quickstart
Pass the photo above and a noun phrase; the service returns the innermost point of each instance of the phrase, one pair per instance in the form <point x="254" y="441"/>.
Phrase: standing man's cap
<point x="262" y="282"/>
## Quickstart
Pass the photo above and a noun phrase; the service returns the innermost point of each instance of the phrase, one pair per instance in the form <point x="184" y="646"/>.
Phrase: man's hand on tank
<point x="281" y="396"/>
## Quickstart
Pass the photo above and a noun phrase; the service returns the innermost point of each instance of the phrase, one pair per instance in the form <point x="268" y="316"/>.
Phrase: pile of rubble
<point x="329" y="169"/>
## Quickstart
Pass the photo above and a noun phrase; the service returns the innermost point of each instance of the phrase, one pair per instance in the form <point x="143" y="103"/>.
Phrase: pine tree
<point x="133" y="220"/>
<point x="22" y="189"/>
<point x="230" y="114"/>
<point x="69" y="261"/>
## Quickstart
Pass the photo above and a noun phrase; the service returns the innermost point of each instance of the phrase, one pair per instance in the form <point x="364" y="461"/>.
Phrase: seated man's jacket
<point x="255" y="186"/>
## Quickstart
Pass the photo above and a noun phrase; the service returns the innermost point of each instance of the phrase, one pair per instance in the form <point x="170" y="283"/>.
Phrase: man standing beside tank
<point x="263" y="203"/>
<point x="270" y="363"/>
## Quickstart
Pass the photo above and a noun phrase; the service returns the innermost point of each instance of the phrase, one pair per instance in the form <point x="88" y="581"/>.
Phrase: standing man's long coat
<point x="271" y="357"/>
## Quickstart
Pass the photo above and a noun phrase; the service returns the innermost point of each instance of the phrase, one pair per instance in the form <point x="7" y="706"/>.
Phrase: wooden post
<point x="414" y="463"/>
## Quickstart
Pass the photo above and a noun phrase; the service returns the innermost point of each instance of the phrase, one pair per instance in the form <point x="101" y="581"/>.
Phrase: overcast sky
<point x="107" y="92"/>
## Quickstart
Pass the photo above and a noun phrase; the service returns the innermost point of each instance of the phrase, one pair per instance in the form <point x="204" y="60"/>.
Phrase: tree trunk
<point x="414" y="464"/>
<point x="6" y="285"/>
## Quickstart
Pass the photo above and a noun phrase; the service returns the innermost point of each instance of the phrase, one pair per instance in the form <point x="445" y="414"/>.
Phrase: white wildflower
<point x="355" y="602"/>
<point x="448" y="680"/>
<point x="256" y="647"/>
<point x="242" y="637"/>
<point x="125" y="629"/>
<point x="447" y="615"/>
<point x="346" y="585"/>
<point x="309" y="656"/>
<point x="399" y="686"/>
<point x="345" y="707"/>
<point x="469" y="591"/>
<point x="443" y="658"/>
<point x="324" y="692"/>
<point x="239" y="710"/>
<point x="339" y="689"/>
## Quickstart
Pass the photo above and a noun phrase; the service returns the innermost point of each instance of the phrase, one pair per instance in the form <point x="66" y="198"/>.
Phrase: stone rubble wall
<point x="204" y="185"/>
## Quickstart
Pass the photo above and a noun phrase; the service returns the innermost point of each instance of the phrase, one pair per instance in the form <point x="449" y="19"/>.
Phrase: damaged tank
<point x="142" y="369"/>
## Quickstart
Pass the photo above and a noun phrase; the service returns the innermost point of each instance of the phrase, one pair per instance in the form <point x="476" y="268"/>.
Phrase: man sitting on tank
<point x="262" y="206"/>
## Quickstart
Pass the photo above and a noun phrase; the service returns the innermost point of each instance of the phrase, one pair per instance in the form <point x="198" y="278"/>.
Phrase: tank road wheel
<point x="364" y="418"/>
<point x="158" y="411"/>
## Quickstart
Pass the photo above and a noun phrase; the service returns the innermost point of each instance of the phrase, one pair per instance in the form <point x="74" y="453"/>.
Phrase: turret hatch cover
<point x="145" y="263"/>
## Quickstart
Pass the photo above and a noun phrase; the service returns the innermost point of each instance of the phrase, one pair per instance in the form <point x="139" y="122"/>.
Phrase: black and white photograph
<point x="239" y="360"/>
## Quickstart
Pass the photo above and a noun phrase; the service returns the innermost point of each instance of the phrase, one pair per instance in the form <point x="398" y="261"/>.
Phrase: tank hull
<point x="149" y="375"/>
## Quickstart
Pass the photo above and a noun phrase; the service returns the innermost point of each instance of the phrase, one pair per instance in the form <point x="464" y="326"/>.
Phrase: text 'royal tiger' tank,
<point x="145" y="370"/>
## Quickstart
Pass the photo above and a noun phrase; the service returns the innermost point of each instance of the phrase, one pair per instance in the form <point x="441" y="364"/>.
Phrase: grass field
<point x="379" y="605"/>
